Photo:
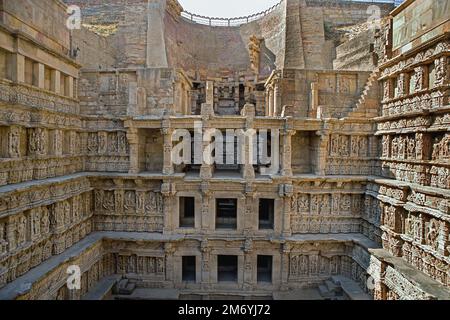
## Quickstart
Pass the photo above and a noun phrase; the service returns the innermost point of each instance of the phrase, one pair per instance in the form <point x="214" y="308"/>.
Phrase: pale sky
<point x="226" y="8"/>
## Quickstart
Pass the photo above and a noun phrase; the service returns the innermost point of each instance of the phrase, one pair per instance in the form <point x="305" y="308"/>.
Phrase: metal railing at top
<point x="235" y="22"/>
<point x="227" y="22"/>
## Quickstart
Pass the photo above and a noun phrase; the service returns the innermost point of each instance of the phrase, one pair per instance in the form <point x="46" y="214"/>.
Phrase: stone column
<point x="271" y="102"/>
<point x="207" y="112"/>
<point x="133" y="141"/>
<point x="70" y="87"/>
<point x="314" y="99"/>
<point x="286" y="193"/>
<point x="168" y="167"/>
<point x="210" y="93"/>
<point x="247" y="170"/>
<point x="322" y="149"/>
<point x="206" y="212"/>
<point x="169" y="250"/>
<point x="169" y="200"/>
<point x="56" y="81"/>
<point x="17" y="68"/>
<point x="251" y="211"/>
<point x="249" y="257"/>
<point x="39" y="75"/>
<point x="277" y="99"/>
<point x="285" y="260"/>
<point x="286" y="164"/>
<point x="206" y="265"/>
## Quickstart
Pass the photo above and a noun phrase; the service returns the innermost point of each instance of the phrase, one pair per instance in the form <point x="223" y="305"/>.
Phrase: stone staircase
<point x="124" y="287"/>
<point x="342" y="288"/>
<point x="368" y="104"/>
<point x="331" y="291"/>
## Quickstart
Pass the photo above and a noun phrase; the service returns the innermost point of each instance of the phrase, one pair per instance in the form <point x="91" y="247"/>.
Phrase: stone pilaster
<point x="277" y="98"/>
<point x="285" y="260"/>
<point x="166" y="131"/>
<point x="56" y="81"/>
<point x="286" y="193"/>
<point x="206" y="265"/>
<point x="133" y="141"/>
<point x="168" y="192"/>
<point x="18" y="68"/>
<point x="39" y="75"/>
<point x="286" y="153"/>
<point x="206" y="212"/>
<point x="248" y="281"/>
<point x="322" y="151"/>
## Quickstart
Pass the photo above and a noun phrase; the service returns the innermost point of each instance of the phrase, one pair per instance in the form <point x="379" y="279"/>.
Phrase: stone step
<point x="324" y="292"/>
<point x="332" y="287"/>
<point x="351" y="288"/>
<point x="125" y="287"/>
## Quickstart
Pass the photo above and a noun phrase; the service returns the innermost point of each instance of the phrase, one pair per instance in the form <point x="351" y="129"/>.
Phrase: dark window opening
<point x="265" y="268"/>
<point x="226" y="213"/>
<point x="227" y="268"/>
<point x="266" y="214"/>
<point x="187" y="212"/>
<point x="189" y="269"/>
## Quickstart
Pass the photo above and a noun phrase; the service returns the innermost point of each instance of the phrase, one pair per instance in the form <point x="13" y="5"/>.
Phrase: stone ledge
<point x="415" y="277"/>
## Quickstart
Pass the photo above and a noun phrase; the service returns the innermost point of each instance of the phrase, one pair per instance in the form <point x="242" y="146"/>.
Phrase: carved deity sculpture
<point x="21" y="230"/>
<point x="418" y="79"/>
<point x="109" y="201"/>
<point x="130" y="200"/>
<point x="432" y="233"/>
<point x="441" y="67"/>
<point x="45" y="221"/>
<point x="92" y="142"/>
<point x="36" y="223"/>
<point x="334" y="149"/>
<point x="14" y="142"/>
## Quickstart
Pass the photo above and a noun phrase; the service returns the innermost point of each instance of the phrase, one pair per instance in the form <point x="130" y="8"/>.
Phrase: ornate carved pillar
<point x="271" y="101"/>
<point x="322" y="149"/>
<point x="249" y="282"/>
<point x="133" y="141"/>
<point x="207" y="198"/>
<point x="168" y="193"/>
<point x="166" y="131"/>
<point x="247" y="169"/>
<point x="277" y="98"/>
<point x="207" y="112"/>
<point x="206" y="258"/>
<point x="286" y="153"/>
<point x="314" y="99"/>
<point x="169" y="250"/>
<point x="286" y="193"/>
<point x="285" y="261"/>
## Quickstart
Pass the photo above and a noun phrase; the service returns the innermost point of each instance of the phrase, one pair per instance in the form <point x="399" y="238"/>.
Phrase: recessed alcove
<point x="304" y="152"/>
